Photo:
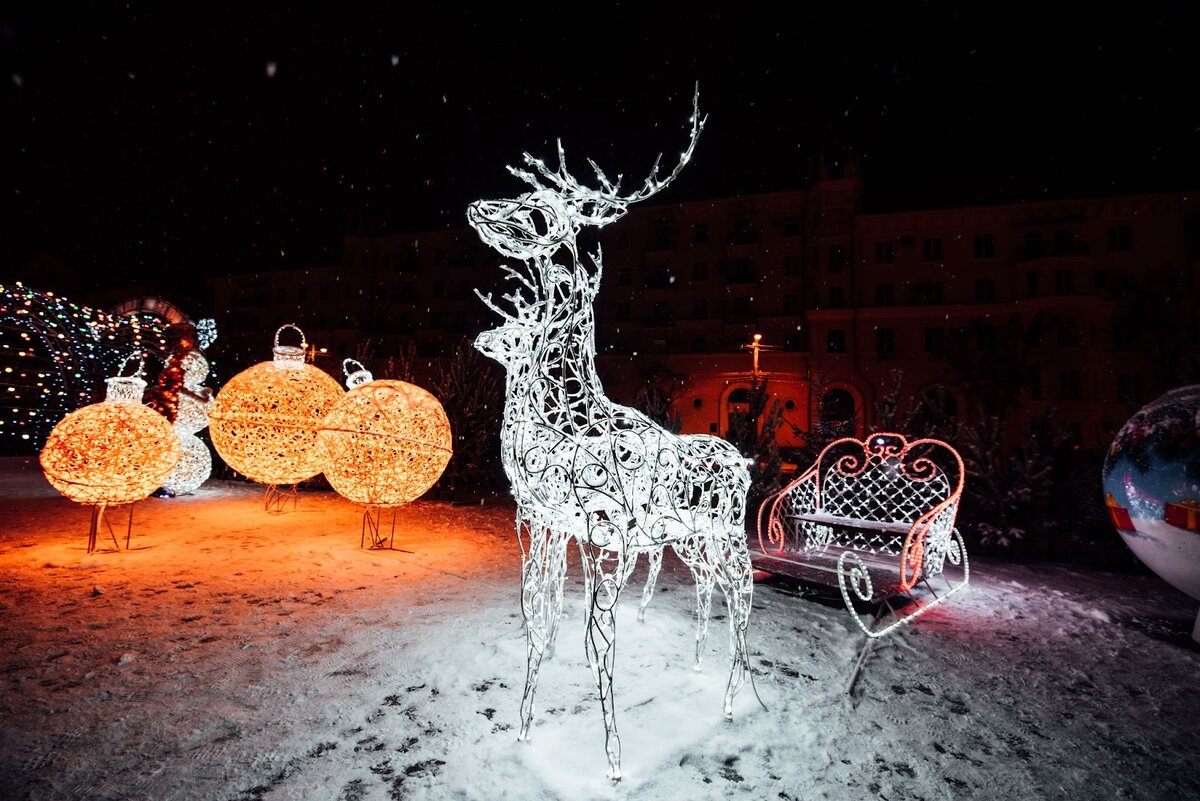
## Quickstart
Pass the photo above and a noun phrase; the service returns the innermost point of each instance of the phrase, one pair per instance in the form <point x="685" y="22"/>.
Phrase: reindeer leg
<point x="536" y="594"/>
<point x="654" y="557"/>
<point x="737" y="584"/>
<point x="601" y="645"/>
<point x="556" y="571"/>
<point x="703" y="577"/>
<point x="693" y="554"/>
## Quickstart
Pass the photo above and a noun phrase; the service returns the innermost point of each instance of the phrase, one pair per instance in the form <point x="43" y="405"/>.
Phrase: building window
<point x="743" y="233"/>
<point x="885" y="341"/>
<point x="1120" y="237"/>
<point x="1033" y="379"/>
<point x="932" y="248"/>
<point x="660" y="277"/>
<point x="928" y="293"/>
<point x="700" y="271"/>
<point x="1068" y="385"/>
<point x="1124" y="335"/>
<point x="1031" y="284"/>
<point x="835" y="341"/>
<point x="1064" y="242"/>
<point x="791" y="304"/>
<point x="699" y="233"/>
<point x="837" y="258"/>
<point x="700" y="309"/>
<point x="791" y="265"/>
<point x="837" y="297"/>
<point x="1064" y="282"/>
<point x="837" y="406"/>
<point x="1034" y="246"/>
<point x="985" y="290"/>
<point x="791" y="226"/>
<point x="740" y="272"/>
<point x="1128" y="387"/>
<point x="1068" y="333"/>
<point x="885" y="294"/>
<point x="935" y="341"/>
<point x="664" y="238"/>
<point x="985" y="246"/>
<point x="624" y="276"/>
<point x="885" y="252"/>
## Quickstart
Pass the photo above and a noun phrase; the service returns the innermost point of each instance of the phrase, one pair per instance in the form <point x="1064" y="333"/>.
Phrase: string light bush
<point x="264" y="420"/>
<point x="384" y="442"/>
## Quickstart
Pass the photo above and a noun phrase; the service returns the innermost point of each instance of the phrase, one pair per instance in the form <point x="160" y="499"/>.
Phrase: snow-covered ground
<point x="236" y="654"/>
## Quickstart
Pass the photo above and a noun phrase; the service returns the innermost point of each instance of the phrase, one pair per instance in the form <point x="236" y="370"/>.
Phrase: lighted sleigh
<point x="875" y="518"/>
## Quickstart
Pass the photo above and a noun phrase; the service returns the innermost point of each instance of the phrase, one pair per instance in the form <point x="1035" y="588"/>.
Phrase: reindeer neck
<point x="561" y="388"/>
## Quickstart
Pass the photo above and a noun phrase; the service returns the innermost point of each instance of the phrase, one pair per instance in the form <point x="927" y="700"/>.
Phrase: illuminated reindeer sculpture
<point x="582" y="466"/>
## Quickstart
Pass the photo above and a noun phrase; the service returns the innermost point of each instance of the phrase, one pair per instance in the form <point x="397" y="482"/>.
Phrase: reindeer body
<point x="585" y="468"/>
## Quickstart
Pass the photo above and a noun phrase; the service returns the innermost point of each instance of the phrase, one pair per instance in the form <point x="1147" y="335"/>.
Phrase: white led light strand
<point x="581" y="466"/>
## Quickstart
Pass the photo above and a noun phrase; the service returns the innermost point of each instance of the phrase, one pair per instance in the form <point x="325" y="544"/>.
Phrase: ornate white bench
<point x="878" y="515"/>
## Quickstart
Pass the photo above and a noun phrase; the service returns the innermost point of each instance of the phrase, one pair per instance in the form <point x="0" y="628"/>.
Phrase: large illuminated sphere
<point x="385" y="442"/>
<point x="1152" y="485"/>
<point x="264" y="420"/>
<point x="194" y="468"/>
<point x="113" y="452"/>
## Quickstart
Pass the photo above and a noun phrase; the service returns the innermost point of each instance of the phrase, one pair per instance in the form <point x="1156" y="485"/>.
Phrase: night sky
<point x="153" y="148"/>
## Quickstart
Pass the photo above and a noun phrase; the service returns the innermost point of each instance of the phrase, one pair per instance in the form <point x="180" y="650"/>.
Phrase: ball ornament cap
<point x="264" y="420"/>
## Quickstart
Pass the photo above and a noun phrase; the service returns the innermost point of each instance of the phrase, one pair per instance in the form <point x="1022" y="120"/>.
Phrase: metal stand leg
<point x="372" y="525"/>
<point x="275" y="500"/>
<point x="98" y="518"/>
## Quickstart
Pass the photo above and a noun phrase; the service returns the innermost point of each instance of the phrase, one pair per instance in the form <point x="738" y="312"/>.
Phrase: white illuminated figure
<point x="582" y="466"/>
<point x="191" y="417"/>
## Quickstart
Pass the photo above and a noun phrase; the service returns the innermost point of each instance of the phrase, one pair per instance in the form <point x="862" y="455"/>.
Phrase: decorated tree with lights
<point x="55" y="355"/>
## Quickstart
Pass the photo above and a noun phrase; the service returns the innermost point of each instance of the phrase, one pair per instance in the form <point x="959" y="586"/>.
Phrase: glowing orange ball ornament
<point x="385" y="442"/>
<point x="264" y="420"/>
<point x="114" y="452"/>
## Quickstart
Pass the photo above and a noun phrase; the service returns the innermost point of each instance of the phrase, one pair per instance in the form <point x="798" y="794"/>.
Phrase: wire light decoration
<point x="111" y="453"/>
<point x="264" y="420"/>
<point x="583" y="467"/>
<point x="191" y="417"/>
<point x="385" y="443"/>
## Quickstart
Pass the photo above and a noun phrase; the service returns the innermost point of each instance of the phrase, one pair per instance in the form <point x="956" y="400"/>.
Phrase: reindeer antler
<point x="602" y="206"/>
<point x="527" y="310"/>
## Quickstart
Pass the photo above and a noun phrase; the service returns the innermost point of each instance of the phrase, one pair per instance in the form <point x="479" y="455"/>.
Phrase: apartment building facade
<point x="1088" y="306"/>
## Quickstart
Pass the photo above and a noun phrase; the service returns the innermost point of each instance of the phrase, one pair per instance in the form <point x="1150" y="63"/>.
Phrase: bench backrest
<point x="886" y="478"/>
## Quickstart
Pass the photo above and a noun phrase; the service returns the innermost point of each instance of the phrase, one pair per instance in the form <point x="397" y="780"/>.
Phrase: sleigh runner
<point x="875" y="518"/>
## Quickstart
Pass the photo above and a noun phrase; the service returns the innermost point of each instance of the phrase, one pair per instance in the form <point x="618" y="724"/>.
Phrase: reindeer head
<point x="535" y="226"/>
